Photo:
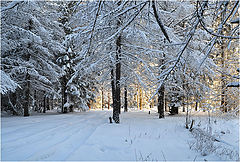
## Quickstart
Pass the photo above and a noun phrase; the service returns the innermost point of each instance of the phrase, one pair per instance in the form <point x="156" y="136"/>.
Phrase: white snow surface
<point x="89" y="136"/>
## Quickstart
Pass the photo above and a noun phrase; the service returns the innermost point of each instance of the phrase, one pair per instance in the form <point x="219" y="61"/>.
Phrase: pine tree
<point x="28" y="50"/>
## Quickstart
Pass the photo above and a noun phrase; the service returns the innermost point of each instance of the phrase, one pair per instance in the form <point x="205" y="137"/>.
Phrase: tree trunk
<point x="52" y="102"/>
<point x="174" y="109"/>
<point x="14" y="101"/>
<point x="183" y="104"/>
<point x="165" y="104"/>
<point x="48" y="105"/>
<point x="44" y="103"/>
<point x="140" y="100"/>
<point x="27" y="95"/>
<point x="161" y="102"/>
<point x="125" y="100"/>
<point x="102" y="100"/>
<point x="117" y="109"/>
<point x="108" y="100"/>
<point x="223" y="83"/>
<point x="187" y="118"/>
<point x="89" y="105"/>
<point x="138" y="97"/>
<point x="161" y="89"/>
<point x="196" y="106"/>
<point x="35" y="101"/>
<point x="64" y="94"/>
<point x="113" y="88"/>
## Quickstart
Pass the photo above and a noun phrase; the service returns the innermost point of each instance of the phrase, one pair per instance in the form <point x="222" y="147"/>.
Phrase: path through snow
<point x="89" y="136"/>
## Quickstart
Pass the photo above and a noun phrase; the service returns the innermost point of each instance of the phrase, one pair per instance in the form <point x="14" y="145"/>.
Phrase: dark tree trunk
<point x="160" y="24"/>
<point x="161" y="90"/>
<point x="27" y="96"/>
<point x="187" y="116"/>
<point x="161" y="102"/>
<point x="183" y="104"/>
<point x="174" y="110"/>
<point x="14" y="102"/>
<point x="125" y="100"/>
<point x="89" y="105"/>
<point x="108" y="100"/>
<point x="174" y="107"/>
<point x="62" y="110"/>
<point x="223" y="85"/>
<point x="64" y="94"/>
<point x="71" y="108"/>
<point x="52" y="101"/>
<point x="117" y="109"/>
<point x="196" y="106"/>
<point x="28" y="77"/>
<point x="137" y="95"/>
<point x="44" y="104"/>
<point x="102" y="100"/>
<point x="36" y="101"/>
<point x="223" y="81"/>
<point x="113" y="88"/>
<point x="140" y="100"/>
<point x="48" y="103"/>
<point x="165" y="103"/>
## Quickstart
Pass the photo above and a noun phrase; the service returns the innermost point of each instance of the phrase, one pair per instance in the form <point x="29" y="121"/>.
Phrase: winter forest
<point x="110" y="80"/>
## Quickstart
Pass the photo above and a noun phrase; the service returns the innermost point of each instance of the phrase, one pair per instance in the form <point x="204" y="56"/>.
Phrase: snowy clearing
<point x="89" y="136"/>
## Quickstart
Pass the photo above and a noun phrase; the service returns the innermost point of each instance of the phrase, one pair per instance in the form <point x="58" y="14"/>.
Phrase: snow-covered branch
<point x="7" y="84"/>
<point x="159" y="20"/>
<point x="11" y="5"/>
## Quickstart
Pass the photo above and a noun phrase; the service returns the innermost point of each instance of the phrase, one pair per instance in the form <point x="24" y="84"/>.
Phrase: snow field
<point x="89" y="136"/>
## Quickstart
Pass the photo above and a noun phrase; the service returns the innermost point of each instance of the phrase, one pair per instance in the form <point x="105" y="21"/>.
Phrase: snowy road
<point x="89" y="136"/>
<point x="47" y="137"/>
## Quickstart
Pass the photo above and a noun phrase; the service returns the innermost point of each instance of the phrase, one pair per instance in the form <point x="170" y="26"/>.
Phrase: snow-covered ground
<point x="89" y="136"/>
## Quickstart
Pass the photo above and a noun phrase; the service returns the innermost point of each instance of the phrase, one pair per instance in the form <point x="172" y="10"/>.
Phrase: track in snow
<point x="47" y="137"/>
<point x="89" y="136"/>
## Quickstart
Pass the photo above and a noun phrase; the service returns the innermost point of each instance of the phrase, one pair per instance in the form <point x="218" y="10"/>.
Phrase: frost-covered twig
<point x="220" y="27"/>
<point x="11" y="5"/>
<point x="159" y="20"/>
<point x="206" y="143"/>
<point x="95" y="20"/>
<point x="178" y="57"/>
<point x="215" y="34"/>
<point x="180" y="53"/>
<point x="126" y="24"/>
